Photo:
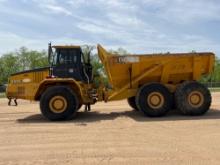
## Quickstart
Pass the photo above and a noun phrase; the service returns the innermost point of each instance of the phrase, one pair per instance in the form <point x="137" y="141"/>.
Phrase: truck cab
<point x="69" y="62"/>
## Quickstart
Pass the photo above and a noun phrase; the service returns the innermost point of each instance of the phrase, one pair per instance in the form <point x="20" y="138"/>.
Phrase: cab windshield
<point x="65" y="56"/>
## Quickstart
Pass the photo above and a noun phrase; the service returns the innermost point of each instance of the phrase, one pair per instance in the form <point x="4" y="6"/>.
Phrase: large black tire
<point x="192" y="98"/>
<point x="154" y="100"/>
<point x="59" y="103"/>
<point x="79" y="106"/>
<point x="132" y="103"/>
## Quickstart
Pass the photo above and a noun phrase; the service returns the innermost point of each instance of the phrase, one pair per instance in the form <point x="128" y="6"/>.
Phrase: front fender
<point x="73" y="84"/>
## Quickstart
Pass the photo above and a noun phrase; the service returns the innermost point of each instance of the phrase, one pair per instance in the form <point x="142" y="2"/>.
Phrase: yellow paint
<point x="125" y="73"/>
<point x="58" y="104"/>
<point x="66" y="46"/>
<point x="168" y="69"/>
<point x="196" y="99"/>
<point x="19" y="87"/>
<point x="155" y="100"/>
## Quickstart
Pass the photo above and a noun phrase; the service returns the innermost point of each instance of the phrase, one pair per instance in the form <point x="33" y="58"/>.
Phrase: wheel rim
<point x="155" y="100"/>
<point x="58" y="104"/>
<point x="195" y="99"/>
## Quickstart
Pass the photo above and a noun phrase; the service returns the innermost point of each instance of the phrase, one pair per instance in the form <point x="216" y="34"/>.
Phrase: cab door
<point x="68" y="64"/>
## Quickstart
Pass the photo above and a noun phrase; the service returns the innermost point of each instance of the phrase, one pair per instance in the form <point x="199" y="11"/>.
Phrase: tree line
<point x="19" y="60"/>
<point x="25" y="59"/>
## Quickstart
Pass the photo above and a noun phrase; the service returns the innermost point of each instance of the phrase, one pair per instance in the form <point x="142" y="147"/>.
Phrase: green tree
<point x="215" y="76"/>
<point x="22" y="59"/>
<point x="30" y="59"/>
<point x="8" y="64"/>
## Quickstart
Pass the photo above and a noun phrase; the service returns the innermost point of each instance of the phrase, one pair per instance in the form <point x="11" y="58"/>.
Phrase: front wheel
<point x="58" y="103"/>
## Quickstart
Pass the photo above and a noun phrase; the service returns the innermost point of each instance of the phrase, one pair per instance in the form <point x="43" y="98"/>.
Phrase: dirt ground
<point x="111" y="134"/>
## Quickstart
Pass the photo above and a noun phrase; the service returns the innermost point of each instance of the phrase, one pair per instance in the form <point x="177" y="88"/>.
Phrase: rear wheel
<point x="132" y="103"/>
<point x="58" y="103"/>
<point x="192" y="98"/>
<point x="154" y="100"/>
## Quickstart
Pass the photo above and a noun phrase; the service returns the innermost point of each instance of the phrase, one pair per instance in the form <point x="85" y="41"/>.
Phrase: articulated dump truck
<point x="153" y="83"/>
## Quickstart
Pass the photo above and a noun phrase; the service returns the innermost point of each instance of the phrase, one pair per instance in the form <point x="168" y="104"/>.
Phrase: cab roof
<point x="66" y="46"/>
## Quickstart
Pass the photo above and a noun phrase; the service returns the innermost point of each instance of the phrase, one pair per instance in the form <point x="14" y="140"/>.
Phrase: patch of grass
<point x="2" y="95"/>
<point x="214" y="89"/>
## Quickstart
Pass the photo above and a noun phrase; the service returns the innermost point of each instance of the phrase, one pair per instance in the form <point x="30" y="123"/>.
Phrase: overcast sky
<point x="140" y="26"/>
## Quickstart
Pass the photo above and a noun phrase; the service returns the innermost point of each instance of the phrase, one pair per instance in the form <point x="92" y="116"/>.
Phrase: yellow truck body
<point x="24" y="85"/>
<point x="127" y="75"/>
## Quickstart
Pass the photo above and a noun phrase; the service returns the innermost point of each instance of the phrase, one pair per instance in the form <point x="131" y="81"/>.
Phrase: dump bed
<point x="131" y="71"/>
